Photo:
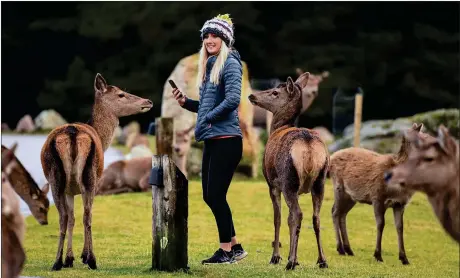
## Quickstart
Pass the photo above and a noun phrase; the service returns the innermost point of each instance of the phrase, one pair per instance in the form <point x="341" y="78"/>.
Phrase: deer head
<point x="285" y="100"/>
<point x="432" y="163"/>
<point x="119" y="102"/>
<point x="25" y="185"/>
<point x="182" y="143"/>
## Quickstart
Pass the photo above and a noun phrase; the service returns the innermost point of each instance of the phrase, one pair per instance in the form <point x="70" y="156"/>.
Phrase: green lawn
<point x="122" y="239"/>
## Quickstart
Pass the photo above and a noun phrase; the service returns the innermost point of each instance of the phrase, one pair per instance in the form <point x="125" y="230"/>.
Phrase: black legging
<point x="220" y="158"/>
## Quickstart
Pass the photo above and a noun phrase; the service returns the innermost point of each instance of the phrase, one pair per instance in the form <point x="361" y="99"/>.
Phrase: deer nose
<point x="176" y="149"/>
<point x="387" y="176"/>
<point x="149" y="102"/>
<point x="251" y="97"/>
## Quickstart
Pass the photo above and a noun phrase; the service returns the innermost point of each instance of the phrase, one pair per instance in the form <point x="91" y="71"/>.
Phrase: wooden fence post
<point x="169" y="204"/>
<point x="358" y="115"/>
<point x="164" y="135"/>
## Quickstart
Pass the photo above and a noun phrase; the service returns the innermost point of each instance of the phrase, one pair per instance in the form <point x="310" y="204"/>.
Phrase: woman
<point x="219" y="81"/>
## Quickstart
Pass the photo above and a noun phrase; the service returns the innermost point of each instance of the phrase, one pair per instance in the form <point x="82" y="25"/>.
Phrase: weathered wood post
<point x="169" y="204"/>
<point x="358" y="115"/>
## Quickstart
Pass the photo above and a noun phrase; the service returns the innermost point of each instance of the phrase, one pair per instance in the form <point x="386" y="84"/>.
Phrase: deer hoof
<point x="68" y="262"/>
<point x="378" y="256"/>
<point x="404" y="260"/>
<point x="57" y="266"/>
<point x="91" y="261"/>
<point x="291" y="265"/>
<point x="275" y="259"/>
<point x="348" y="250"/>
<point x="84" y="257"/>
<point x="322" y="264"/>
<point x="341" y="250"/>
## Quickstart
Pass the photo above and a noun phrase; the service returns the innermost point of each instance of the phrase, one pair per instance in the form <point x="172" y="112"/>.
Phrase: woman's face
<point x="212" y="43"/>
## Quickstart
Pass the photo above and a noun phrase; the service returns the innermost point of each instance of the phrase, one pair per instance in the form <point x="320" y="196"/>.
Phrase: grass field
<point x="122" y="239"/>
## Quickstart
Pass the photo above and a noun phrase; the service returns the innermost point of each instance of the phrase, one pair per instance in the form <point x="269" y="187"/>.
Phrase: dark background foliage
<point x="405" y="55"/>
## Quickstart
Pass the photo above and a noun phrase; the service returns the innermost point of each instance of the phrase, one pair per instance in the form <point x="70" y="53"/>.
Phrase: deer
<point x="26" y="187"/>
<point x="126" y="176"/>
<point x="13" y="225"/>
<point x="181" y="148"/>
<point x="358" y="176"/>
<point x="432" y="168"/>
<point x="72" y="159"/>
<point x="295" y="162"/>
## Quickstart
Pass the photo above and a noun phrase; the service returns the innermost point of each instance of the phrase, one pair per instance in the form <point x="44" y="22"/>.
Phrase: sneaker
<point x="220" y="257"/>
<point x="239" y="252"/>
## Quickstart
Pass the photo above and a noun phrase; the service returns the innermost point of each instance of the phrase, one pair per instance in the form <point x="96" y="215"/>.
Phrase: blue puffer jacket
<point x="218" y="104"/>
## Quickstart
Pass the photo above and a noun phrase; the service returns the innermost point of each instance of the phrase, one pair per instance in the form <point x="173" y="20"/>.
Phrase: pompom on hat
<point x="221" y="26"/>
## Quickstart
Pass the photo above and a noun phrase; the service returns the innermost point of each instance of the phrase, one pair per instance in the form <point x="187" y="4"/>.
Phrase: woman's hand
<point x="179" y="96"/>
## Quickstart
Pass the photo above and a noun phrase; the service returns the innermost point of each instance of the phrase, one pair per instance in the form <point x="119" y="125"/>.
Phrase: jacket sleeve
<point x="191" y="105"/>
<point x="232" y="77"/>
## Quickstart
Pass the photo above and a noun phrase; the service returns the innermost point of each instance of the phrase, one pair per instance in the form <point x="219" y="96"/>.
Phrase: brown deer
<point x="73" y="159"/>
<point x="358" y="176"/>
<point x="13" y="226"/>
<point x="433" y="168"/>
<point x="126" y="176"/>
<point x="295" y="162"/>
<point x="181" y="148"/>
<point x="26" y="187"/>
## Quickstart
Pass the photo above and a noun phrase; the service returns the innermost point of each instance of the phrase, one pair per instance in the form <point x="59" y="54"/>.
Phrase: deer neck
<point x="285" y="118"/>
<point x="104" y="122"/>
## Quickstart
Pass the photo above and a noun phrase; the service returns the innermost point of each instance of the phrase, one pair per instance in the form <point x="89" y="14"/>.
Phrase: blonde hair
<point x="218" y="65"/>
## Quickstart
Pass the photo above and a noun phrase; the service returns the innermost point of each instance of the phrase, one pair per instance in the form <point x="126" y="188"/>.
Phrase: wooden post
<point x="358" y="115"/>
<point x="164" y="135"/>
<point x="170" y="214"/>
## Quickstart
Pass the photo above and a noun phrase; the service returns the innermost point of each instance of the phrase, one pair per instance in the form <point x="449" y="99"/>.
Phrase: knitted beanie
<point x="221" y="26"/>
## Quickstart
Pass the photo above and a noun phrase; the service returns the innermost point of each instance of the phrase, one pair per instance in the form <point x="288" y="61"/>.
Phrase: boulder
<point x="139" y="151"/>
<point x="25" y="124"/>
<point x="48" y="120"/>
<point x="384" y="136"/>
<point x="324" y="134"/>
<point x="5" y="127"/>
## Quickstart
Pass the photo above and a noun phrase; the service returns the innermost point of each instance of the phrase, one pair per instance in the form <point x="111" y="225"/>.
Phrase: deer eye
<point x="275" y="93"/>
<point x="121" y="95"/>
<point x="428" y="159"/>
<point x="42" y="210"/>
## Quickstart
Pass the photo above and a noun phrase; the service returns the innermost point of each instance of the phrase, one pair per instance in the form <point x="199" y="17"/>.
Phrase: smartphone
<point x="174" y="86"/>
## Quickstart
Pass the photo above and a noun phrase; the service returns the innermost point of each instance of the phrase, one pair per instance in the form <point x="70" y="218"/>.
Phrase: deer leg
<point x="294" y="221"/>
<point x="59" y="201"/>
<point x="70" y="224"/>
<point x="346" y="205"/>
<point x="317" y="195"/>
<point x="88" y="255"/>
<point x="276" y="201"/>
<point x="398" y="211"/>
<point x="379" y="212"/>
<point x="144" y="182"/>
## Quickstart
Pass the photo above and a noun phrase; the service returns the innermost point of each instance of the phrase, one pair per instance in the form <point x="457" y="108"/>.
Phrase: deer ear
<point x="290" y="85"/>
<point x="7" y="157"/>
<point x="303" y="79"/>
<point x="445" y="141"/>
<point x="46" y="188"/>
<point x="417" y="127"/>
<point x="99" y="83"/>
<point x="412" y="137"/>
<point x="14" y="147"/>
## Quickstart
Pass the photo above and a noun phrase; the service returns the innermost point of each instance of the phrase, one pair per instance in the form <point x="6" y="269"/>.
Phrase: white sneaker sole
<point x="242" y="256"/>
